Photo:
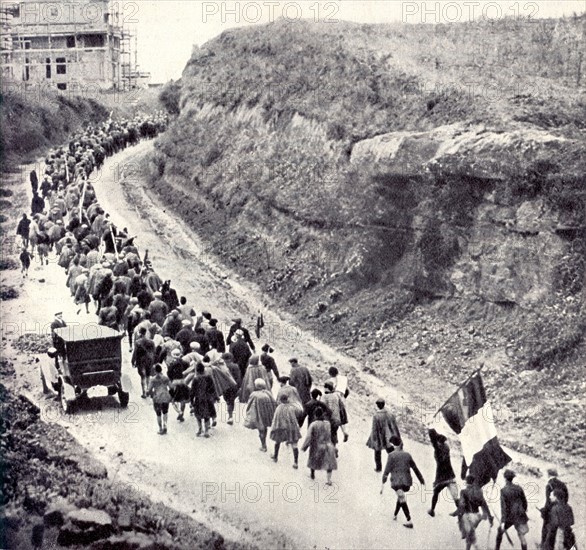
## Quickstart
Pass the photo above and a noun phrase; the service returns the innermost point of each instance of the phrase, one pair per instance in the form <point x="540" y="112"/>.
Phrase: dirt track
<point x="226" y="481"/>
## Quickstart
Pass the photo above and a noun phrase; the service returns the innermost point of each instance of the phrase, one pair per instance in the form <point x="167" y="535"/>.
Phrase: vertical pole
<point x="81" y="201"/>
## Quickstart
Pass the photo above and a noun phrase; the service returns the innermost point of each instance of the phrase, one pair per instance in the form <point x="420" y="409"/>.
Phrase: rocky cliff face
<point x="335" y="177"/>
<point x="507" y="245"/>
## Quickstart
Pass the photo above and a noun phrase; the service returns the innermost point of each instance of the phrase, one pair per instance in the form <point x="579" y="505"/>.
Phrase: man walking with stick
<point x="513" y="511"/>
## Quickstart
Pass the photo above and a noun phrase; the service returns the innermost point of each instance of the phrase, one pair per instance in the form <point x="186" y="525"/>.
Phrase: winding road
<point x="225" y="481"/>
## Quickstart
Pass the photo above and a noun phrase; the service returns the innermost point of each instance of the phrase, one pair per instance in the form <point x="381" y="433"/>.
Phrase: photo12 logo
<point x="268" y="492"/>
<point x="256" y="12"/>
<point x="467" y="11"/>
<point x="45" y="13"/>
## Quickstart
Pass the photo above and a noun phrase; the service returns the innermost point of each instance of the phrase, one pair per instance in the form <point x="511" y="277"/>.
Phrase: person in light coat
<point x="260" y="411"/>
<point x="322" y="454"/>
<point x="285" y="429"/>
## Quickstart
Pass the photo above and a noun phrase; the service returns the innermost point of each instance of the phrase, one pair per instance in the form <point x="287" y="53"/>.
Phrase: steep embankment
<point x="415" y="193"/>
<point x="33" y="121"/>
<point x="36" y="118"/>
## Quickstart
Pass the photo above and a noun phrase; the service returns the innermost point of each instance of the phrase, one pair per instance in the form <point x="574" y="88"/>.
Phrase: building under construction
<point x="68" y="45"/>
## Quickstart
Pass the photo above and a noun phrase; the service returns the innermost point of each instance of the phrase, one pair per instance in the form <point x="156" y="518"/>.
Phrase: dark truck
<point x="85" y="359"/>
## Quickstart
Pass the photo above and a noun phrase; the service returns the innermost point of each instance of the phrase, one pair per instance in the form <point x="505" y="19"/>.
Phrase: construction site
<point x="69" y="46"/>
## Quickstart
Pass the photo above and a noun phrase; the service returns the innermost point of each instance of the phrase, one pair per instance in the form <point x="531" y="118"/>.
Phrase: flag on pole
<point x="470" y="415"/>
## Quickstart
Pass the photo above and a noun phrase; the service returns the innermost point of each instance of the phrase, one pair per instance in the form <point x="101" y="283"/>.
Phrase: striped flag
<point x="470" y="415"/>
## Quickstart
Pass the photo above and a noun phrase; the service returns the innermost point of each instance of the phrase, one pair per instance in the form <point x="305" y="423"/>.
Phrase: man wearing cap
<point x="238" y="326"/>
<point x="269" y="364"/>
<point x="300" y="378"/>
<point x="471" y="500"/>
<point x="513" y="511"/>
<point x="553" y="484"/>
<point x="215" y="337"/>
<point x="384" y="427"/>
<point x="58" y="322"/>
<point x="240" y="351"/>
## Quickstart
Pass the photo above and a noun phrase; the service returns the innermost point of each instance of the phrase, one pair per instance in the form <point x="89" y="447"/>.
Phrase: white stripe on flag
<point x="478" y="430"/>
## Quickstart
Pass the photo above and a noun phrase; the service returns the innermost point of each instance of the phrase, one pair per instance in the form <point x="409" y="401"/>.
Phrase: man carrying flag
<point x="470" y="415"/>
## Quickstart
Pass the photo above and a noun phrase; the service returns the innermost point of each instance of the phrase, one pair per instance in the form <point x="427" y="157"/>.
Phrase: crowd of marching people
<point x="185" y="361"/>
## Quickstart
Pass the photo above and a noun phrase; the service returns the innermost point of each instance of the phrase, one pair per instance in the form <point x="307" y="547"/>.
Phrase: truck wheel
<point x="123" y="397"/>
<point x="44" y="383"/>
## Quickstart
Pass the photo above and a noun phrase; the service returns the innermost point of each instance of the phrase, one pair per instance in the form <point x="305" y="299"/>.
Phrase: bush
<point x="170" y="97"/>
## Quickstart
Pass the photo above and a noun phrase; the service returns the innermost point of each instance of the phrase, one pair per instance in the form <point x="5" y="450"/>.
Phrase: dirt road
<point x="226" y="481"/>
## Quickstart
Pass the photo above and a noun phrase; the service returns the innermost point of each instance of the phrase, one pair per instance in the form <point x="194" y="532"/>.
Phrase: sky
<point x="167" y="29"/>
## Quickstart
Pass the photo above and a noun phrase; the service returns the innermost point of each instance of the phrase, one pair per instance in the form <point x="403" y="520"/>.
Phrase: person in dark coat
<point x="322" y="453"/>
<point x="215" y="337"/>
<point x="554" y="483"/>
<point x="143" y="359"/>
<point x="260" y="410"/>
<point x="176" y="368"/>
<point x="46" y="187"/>
<point x="200" y="337"/>
<point x="58" y="322"/>
<point x="108" y="315"/>
<point x="445" y="478"/>
<point x="469" y="505"/>
<point x="132" y="317"/>
<point x="169" y="295"/>
<point x="172" y="324"/>
<point x="144" y="296"/>
<point x="300" y="378"/>
<point x="240" y="351"/>
<point x="120" y="301"/>
<point x="384" y="428"/>
<point x="231" y="393"/>
<point x="269" y="363"/>
<point x="559" y="528"/>
<point x="203" y="396"/>
<point x="37" y="204"/>
<point x="34" y="181"/>
<point x="237" y="326"/>
<point x="23" y="229"/>
<point x="25" y="261"/>
<point x="399" y="466"/>
<point x="158" y="309"/>
<point x="185" y="336"/>
<point x="513" y="511"/>
<point x="312" y="406"/>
